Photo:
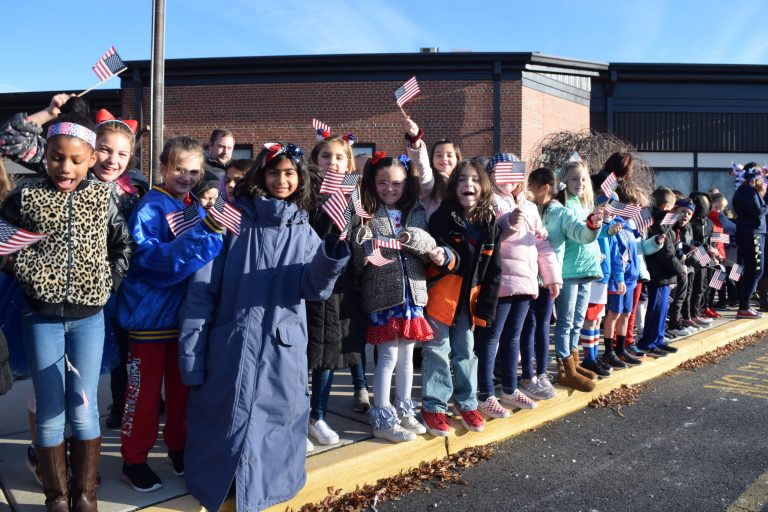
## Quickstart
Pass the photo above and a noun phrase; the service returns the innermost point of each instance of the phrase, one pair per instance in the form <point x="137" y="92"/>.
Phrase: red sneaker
<point x="472" y="420"/>
<point x="715" y="313"/>
<point x="748" y="313"/>
<point x="436" y="423"/>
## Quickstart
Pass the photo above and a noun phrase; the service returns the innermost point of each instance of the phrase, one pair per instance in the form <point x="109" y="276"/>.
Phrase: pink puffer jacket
<point x="525" y="251"/>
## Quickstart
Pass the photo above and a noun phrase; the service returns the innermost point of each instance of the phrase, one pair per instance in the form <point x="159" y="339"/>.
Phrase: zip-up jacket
<point x="663" y="266"/>
<point x="625" y="264"/>
<point x="471" y="277"/>
<point x="71" y="272"/>
<point x="149" y="299"/>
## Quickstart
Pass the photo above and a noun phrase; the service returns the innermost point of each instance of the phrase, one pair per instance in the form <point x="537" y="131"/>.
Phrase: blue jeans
<point x="535" y="336"/>
<point x="58" y="391"/>
<point x="322" y="381"/>
<point x="751" y="248"/>
<point x="502" y="336"/>
<point x="450" y="346"/>
<point x="655" y="318"/>
<point x="571" y="306"/>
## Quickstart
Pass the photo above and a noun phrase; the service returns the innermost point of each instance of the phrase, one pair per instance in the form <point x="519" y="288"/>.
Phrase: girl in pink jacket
<point x="526" y="255"/>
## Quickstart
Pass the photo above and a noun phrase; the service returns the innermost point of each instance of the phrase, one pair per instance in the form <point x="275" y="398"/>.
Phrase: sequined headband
<point x="73" y="130"/>
<point x="274" y="149"/>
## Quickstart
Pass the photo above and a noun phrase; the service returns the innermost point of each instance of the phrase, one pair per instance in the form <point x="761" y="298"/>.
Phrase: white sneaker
<point x="534" y="389"/>
<point x="517" y="399"/>
<point x="703" y="321"/>
<point x="411" y="424"/>
<point x="395" y="434"/>
<point x="491" y="408"/>
<point x="681" y="331"/>
<point x="322" y="433"/>
<point x="310" y="446"/>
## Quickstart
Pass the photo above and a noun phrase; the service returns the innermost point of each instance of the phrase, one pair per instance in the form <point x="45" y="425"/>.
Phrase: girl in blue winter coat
<point x="244" y="340"/>
<point x="570" y="231"/>
<point x="174" y="238"/>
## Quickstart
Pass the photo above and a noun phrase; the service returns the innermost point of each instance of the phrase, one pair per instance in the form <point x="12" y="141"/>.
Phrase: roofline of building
<point x="678" y="72"/>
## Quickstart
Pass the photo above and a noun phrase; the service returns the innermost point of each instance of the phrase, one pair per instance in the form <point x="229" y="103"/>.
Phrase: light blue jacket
<point x="573" y="242"/>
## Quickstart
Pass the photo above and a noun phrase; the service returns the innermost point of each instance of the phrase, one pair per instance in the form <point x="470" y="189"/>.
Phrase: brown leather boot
<point x="53" y="472"/>
<point x="569" y="377"/>
<point x="84" y="456"/>
<point x="582" y="371"/>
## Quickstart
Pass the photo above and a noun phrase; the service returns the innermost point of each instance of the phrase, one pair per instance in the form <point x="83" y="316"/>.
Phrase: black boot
<point x="53" y="471"/>
<point x="115" y="416"/>
<point x="84" y="456"/>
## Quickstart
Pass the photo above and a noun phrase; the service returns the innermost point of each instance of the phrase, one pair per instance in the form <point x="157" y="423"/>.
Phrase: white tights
<point x="393" y="356"/>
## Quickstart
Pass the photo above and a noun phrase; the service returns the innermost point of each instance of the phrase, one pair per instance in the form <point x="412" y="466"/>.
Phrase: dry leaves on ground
<point x="719" y="353"/>
<point x="439" y="473"/>
<point x="623" y="395"/>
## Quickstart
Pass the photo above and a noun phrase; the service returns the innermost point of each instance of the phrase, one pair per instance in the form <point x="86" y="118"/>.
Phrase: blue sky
<point x="52" y="45"/>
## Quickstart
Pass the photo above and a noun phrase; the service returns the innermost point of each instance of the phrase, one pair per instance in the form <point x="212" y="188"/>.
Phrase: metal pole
<point x="158" y="88"/>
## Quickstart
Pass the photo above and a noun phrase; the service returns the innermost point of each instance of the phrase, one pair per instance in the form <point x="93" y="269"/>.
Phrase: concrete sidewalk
<point x="356" y="460"/>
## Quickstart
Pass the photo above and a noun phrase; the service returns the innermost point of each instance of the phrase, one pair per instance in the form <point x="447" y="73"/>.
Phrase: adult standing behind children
<point x="244" y="340"/>
<point x="750" y="209"/>
<point x="218" y="154"/>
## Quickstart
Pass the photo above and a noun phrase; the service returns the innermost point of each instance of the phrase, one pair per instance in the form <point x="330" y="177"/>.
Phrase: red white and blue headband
<point x="73" y="130"/>
<point x="274" y="149"/>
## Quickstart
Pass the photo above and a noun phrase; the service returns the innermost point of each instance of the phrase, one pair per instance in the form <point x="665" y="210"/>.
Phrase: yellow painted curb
<point x="367" y="461"/>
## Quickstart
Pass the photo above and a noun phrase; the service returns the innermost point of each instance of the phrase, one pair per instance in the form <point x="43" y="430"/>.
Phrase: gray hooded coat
<point x="243" y="350"/>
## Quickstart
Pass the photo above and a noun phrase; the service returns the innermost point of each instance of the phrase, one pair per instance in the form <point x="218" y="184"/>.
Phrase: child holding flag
<point x="391" y="249"/>
<point x="174" y="238"/>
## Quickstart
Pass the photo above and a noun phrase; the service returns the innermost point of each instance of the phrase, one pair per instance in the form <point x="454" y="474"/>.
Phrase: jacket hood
<point x="271" y="211"/>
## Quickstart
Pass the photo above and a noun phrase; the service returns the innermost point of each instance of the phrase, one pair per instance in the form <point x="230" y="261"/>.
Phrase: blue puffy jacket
<point x="150" y="296"/>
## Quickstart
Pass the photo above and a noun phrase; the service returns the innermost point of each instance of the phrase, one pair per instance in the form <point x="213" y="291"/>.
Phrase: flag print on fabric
<point x="337" y="209"/>
<point x="181" y="220"/>
<point x="610" y="184"/>
<point x="13" y="239"/>
<point x="226" y="215"/>
<point x="720" y="238"/>
<point x="670" y="218"/>
<point x="407" y="92"/>
<point x="717" y="280"/>
<point x="700" y="255"/>
<point x="109" y="64"/>
<point x="509" y="173"/>
<point x="736" y="272"/>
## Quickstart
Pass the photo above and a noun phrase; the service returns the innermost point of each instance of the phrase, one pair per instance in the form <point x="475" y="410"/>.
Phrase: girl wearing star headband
<point x="244" y="340"/>
<point x="67" y="278"/>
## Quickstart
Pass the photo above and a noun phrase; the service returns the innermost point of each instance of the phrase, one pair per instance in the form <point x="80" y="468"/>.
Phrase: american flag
<point x="13" y="239"/>
<point x="575" y="157"/>
<point x="359" y="210"/>
<point x="373" y="254"/>
<point x="181" y="220"/>
<point x="670" y="218"/>
<point x="720" y="238"/>
<point x="717" y="280"/>
<point x="389" y="243"/>
<point x="109" y="64"/>
<point x="700" y="255"/>
<point x="644" y="220"/>
<point x="628" y="211"/>
<point x="226" y="215"/>
<point x="509" y="173"/>
<point x="735" y="274"/>
<point x="337" y="208"/>
<point x="319" y="125"/>
<point x="610" y="184"/>
<point x="339" y="181"/>
<point x="407" y="92"/>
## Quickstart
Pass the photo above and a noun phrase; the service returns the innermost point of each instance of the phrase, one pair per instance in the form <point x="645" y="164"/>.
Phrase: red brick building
<point x="486" y="102"/>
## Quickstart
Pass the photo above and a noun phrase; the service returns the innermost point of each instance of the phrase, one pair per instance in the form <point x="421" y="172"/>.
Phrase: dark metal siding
<point x="692" y="131"/>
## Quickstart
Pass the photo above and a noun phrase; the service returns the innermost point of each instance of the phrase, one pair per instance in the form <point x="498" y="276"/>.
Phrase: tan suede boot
<point x="53" y="472"/>
<point x="570" y="378"/>
<point x="84" y="456"/>
<point x="582" y="371"/>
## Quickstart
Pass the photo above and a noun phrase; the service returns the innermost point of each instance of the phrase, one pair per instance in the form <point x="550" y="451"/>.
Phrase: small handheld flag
<point x="720" y="238"/>
<point x="717" y="280"/>
<point x="389" y="243"/>
<point x="628" y="211"/>
<point x="334" y="181"/>
<point x="736" y="272"/>
<point x="13" y="239"/>
<point x="609" y="184"/>
<point x="181" y="220"/>
<point x="575" y="157"/>
<point x="374" y="256"/>
<point x="337" y="208"/>
<point x="108" y="66"/>
<point x="509" y="173"/>
<point x="670" y="219"/>
<point x="644" y="220"/>
<point x="700" y="255"/>
<point x="226" y="215"/>
<point x="407" y="92"/>
<point x="359" y="210"/>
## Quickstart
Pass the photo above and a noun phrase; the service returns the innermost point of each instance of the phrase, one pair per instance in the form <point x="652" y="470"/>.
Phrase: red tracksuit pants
<point x="148" y="363"/>
<point x="631" y="320"/>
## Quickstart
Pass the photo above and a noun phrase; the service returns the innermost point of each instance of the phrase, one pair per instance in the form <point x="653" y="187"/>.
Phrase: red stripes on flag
<point x="511" y="173"/>
<point x="226" y="215"/>
<point x="700" y="255"/>
<point x="13" y="239"/>
<point x="670" y="218"/>
<point x="109" y="64"/>
<point x="717" y="280"/>
<point x="610" y="184"/>
<point x="736" y="272"/>
<point x="181" y="220"/>
<point x="720" y="238"/>
<point x="407" y="92"/>
<point x="336" y="209"/>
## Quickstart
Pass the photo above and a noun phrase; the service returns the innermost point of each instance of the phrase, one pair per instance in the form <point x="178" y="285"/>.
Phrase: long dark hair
<point x="619" y="163"/>
<point x="438" y="191"/>
<point x="482" y="212"/>
<point x="253" y="183"/>
<point x="411" y="187"/>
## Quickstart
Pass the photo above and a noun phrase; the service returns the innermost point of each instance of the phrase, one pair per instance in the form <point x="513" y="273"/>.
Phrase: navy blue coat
<point x="243" y="350"/>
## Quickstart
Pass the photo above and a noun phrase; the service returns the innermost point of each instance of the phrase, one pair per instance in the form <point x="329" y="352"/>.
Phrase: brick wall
<point x="458" y="110"/>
